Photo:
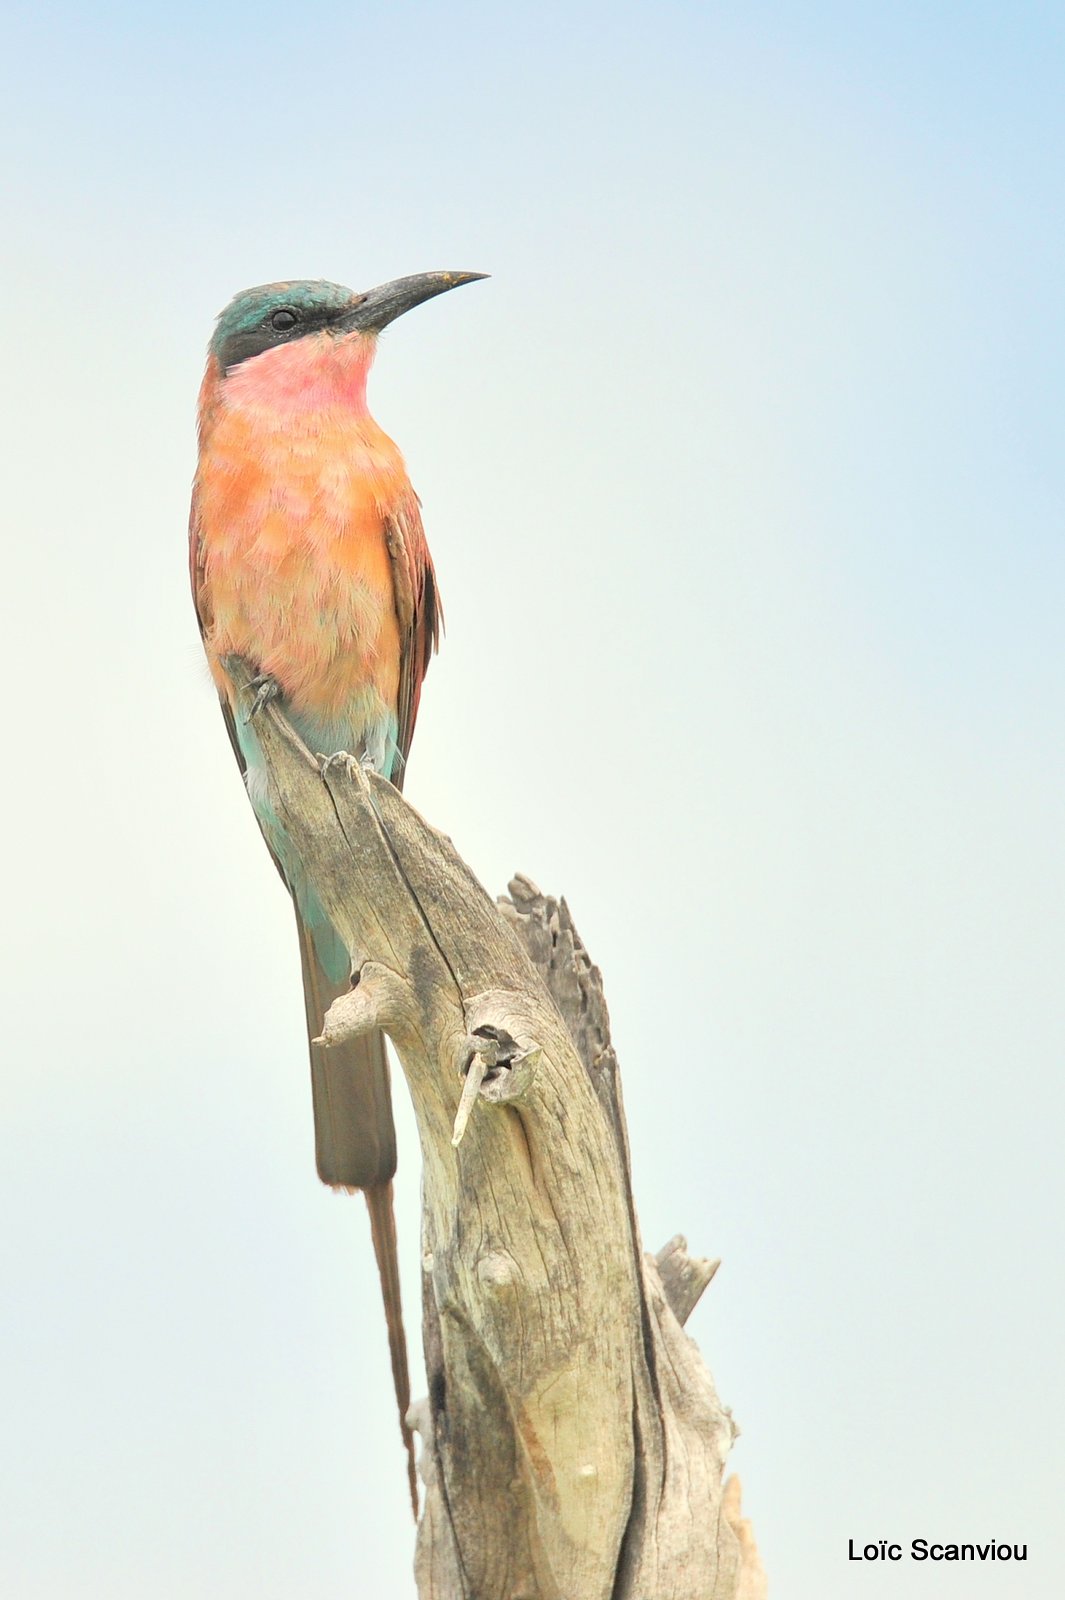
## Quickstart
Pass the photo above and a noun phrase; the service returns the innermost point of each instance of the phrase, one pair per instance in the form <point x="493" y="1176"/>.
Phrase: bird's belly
<point x="298" y="576"/>
<point x="322" y="622"/>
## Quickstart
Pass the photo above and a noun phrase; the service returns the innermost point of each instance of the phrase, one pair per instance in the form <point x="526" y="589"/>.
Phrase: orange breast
<point x="291" y="514"/>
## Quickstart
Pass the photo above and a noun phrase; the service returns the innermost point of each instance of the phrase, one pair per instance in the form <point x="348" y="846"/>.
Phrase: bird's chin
<point x="319" y="371"/>
<point x="355" y="337"/>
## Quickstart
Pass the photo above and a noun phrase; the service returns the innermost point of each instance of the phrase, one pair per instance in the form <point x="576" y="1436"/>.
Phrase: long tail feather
<point x="355" y="1148"/>
<point x="383" y="1233"/>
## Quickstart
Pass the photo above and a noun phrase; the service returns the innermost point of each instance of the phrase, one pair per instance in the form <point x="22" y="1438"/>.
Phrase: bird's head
<point x="285" y="329"/>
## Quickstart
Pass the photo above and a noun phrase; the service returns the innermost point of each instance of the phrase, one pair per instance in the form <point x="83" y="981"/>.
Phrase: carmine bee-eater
<point x="308" y="560"/>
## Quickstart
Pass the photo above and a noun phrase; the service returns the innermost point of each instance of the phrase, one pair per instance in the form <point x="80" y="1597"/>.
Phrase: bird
<point x="309" y="562"/>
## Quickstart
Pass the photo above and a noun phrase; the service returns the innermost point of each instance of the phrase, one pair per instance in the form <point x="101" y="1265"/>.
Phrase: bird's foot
<point x="266" y="689"/>
<point x="340" y="760"/>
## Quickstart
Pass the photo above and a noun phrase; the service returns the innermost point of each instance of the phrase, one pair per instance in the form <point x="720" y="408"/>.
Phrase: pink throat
<point x="315" y="373"/>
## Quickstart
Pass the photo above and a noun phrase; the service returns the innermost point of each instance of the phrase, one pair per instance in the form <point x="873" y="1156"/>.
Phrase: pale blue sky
<point x="743" y="480"/>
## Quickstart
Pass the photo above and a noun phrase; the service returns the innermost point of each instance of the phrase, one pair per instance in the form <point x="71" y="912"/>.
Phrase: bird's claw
<point x="340" y="759"/>
<point x="266" y="689"/>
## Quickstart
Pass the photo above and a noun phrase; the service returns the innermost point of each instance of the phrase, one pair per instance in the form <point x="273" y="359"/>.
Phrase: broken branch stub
<point x="572" y="1440"/>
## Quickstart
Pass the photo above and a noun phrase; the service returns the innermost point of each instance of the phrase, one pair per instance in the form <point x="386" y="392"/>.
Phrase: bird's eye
<point x="283" y="319"/>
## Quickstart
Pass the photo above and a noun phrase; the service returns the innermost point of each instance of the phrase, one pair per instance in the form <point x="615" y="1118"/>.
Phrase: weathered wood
<point x="573" y="1443"/>
<point x="753" y="1584"/>
<point x="684" y="1277"/>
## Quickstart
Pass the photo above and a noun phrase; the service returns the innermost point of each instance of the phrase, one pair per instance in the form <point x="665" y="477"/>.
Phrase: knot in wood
<point x="497" y="1270"/>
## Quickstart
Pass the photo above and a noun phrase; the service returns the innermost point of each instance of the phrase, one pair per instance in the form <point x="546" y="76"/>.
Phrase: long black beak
<point x="378" y="307"/>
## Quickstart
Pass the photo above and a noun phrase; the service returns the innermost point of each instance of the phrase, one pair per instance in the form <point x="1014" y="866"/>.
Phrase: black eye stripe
<point x="276" y="326"/>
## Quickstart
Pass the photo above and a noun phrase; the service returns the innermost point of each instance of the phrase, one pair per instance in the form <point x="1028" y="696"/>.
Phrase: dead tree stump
<point x="573" y="1441"/>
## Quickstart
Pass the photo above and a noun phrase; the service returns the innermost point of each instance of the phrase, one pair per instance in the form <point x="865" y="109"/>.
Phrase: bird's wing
<point x="201" y="599"/>
<point x="197" y="575"/>
<point x="418" y="611"/>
